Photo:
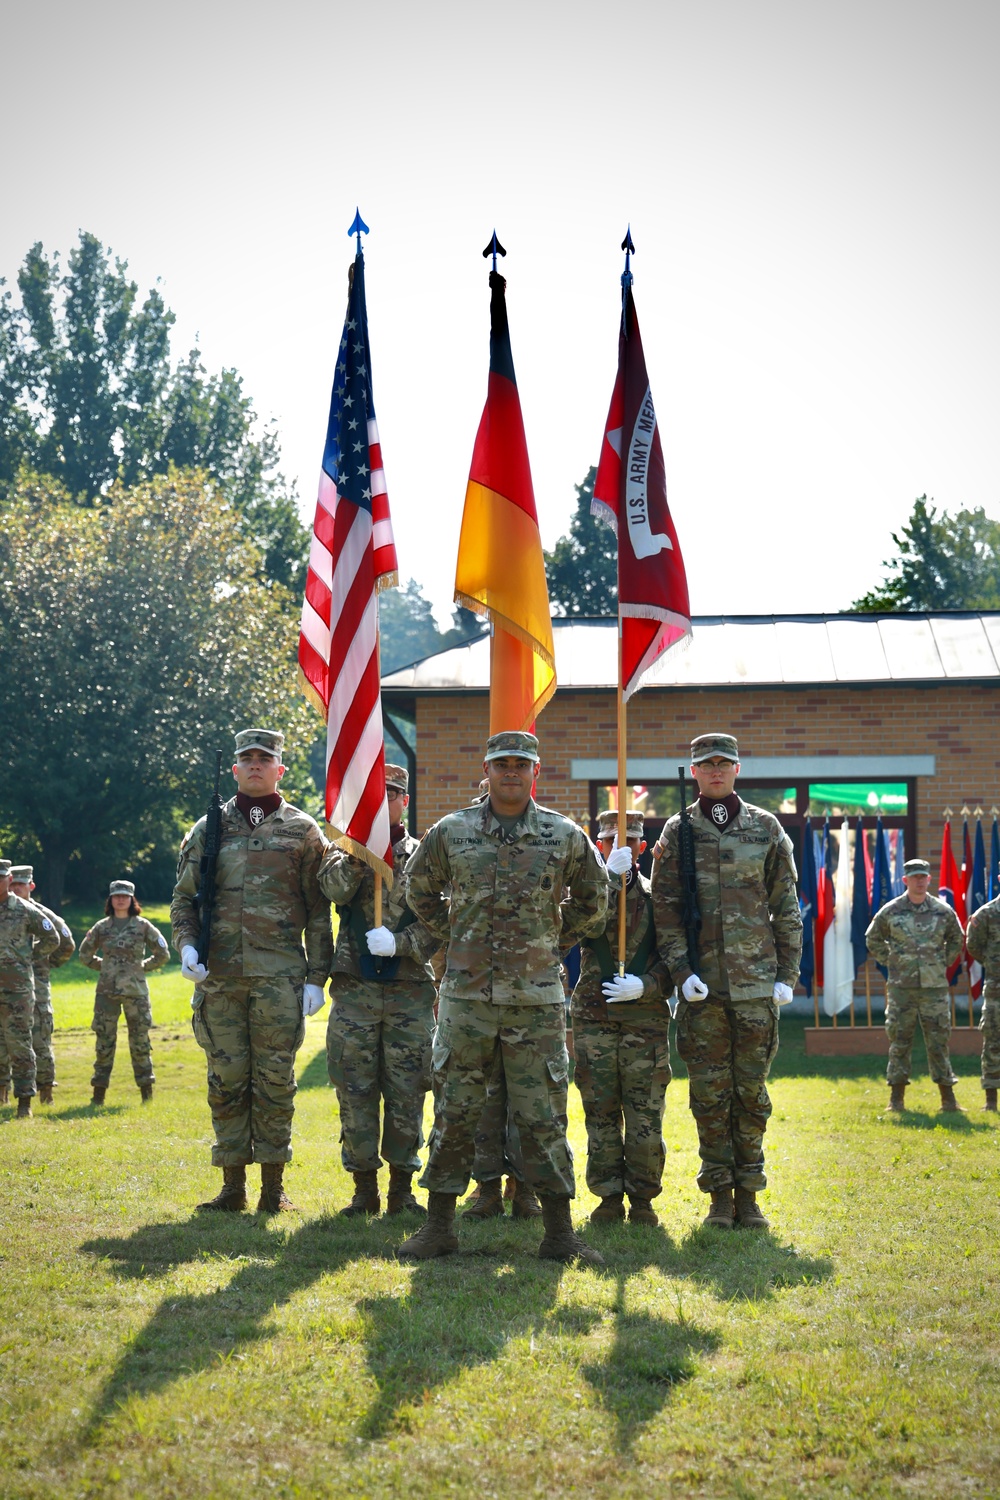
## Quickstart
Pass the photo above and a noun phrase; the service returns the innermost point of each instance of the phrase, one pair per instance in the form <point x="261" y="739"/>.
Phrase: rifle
<point x="205" y="899"/>
<point x="689" y="883"/>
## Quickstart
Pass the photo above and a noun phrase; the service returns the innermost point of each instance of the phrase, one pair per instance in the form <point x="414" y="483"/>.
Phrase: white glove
<point x="693" y="989"/>
<point x="381" y="942"/>
<point x="313" y="999"/>
<point x="190" y="967"/>
<point x="622" y="987"/>
<point x="620" y="861"/>
<point x="782" y="993"/>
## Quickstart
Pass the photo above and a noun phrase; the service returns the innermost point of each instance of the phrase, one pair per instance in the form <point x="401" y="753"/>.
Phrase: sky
<point x="811" y="188"/>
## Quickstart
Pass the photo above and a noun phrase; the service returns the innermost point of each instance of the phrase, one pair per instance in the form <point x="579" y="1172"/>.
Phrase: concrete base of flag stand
<point x="845" y="1040"/>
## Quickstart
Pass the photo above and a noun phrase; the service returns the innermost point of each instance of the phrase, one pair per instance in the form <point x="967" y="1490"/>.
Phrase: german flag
<point x="501" y="572"/>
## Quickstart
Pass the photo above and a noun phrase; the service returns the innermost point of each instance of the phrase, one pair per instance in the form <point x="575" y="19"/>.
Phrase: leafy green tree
<point x="942" y="561"/>
<point x="582" y="568"/>
<point x="88" y="395"/>
<point x="134" y="640"/>
<point x="408" y="630"/>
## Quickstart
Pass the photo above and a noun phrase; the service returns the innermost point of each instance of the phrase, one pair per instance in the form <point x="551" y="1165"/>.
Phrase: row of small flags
<point x="839" y="895"/>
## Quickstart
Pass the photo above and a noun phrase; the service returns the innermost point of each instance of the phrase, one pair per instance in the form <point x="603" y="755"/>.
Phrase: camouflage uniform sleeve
<point x="977" y="935"/>
<point x="158" y="943"/>
<point x="66" y="949"/>
<point x="585" y="910"/>
<point x="417" y="941"/>
<point x="668" y="906"/>
<point x="657" y="982"/>
<point x="954" y="938"/>
<point x="45" y="933"/>
<point x="184" y="923"/>
<point x="427" y="876"/>
<point x="89" y="956"/>
<point x="340" y="875"/>
<point x="784" y="910"/>
<point x="318" y="933"/>
<point x="877" y="938"/>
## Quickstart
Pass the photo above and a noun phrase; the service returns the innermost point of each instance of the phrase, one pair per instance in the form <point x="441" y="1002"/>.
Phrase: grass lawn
<point x="150" y="1352"/>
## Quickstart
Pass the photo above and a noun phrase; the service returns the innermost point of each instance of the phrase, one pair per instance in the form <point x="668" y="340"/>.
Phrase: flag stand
<point x="622" y="820"/>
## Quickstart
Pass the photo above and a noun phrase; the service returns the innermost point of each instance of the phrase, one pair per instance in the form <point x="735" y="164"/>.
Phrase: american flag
<point x="352" y="558"/>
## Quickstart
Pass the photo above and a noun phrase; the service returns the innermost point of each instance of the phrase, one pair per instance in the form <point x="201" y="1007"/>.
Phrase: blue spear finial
<point x="629" y="249"/>
<point x="359" y="227"/>
<point x="494" y="248"/>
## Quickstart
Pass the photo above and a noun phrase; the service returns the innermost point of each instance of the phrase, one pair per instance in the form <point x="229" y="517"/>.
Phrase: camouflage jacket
<point x="507" y="920"/>
<point x="267" y="894"/>
<point x="43" y="963"/>
<point x="917" y="944"/>
<point x="751" y="926"/>
<point x="24" y="933"/>
<point x="115" y="949"/>
<point x="348" y="881"/>
<point x="651" y="1010"/>
<point x="982" y="938"/>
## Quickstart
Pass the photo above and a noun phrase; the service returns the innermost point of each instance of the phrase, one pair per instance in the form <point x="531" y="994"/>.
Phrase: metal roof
<point x="750" y="650"/>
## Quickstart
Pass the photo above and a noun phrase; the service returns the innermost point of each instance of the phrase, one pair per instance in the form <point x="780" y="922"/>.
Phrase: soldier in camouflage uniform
<point x="378" y="1041"/>
<point x="23" y="883"/>
<point x="621" y="1034"/>
<point x="251" y="999"/>
<point x="506" y="863"/>
<point x="982" y="939"/>
<point x="116" y="948"/>
<point x="749" y="949"/>
<point x="24" y="933"/>
<point x="917" y="937"/>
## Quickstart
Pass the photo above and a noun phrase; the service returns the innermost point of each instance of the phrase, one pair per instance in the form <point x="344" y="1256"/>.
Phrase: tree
<point x="408" y="630"/>
<point x="943" y="562"/>
<point x="134" y="640"/>
<point x="582" y="568"/>
<point x="88" y="396"/>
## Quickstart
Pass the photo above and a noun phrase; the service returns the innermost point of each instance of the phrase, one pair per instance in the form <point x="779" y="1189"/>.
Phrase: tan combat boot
<point x="24" y="1107"/>
<point x="232" y="1196"/>
<point x="991" y="1100"/>
<point x="45" y="1093"/>
<point x="560" y="1242"/>
<point x="897" y="1097"/>
<point x="366" y="1203"/>
<point x="273" y="1198"/>
<point x="523" y="1203"/>
<point x="438" y="1235"/>
<point x="100" y="1089"/>
<point x="401" y="1199"/>
<point x="4" y="1093"/>
<point x="610" y="1210"/>
<point x="641" y="1211"/>
<point x="748" y="1215"/>
<point x="722" y="1214"/>
<point x="145" y="1092"/>
<point x="488" y="1201"/>
<point x="949" y="1104"/>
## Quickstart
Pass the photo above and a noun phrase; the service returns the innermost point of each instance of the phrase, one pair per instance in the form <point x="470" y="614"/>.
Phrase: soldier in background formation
<point x="621" y="1028"/>
<point x="749" y="951"/>
<point x="917" y="937"/>
<point x="982" y="939"/>
<point x="252" y="997"/>
<point x="24" y="932"/>
<point x="116" y="947"/>
<point x="378" y="1041"/>
<point x="22" y="878"/>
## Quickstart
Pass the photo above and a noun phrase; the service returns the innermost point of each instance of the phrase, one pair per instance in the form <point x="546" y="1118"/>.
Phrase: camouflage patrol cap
<point x="397" y="777"/>
<point x="704" y="746"/>
<point x="516" y="742"/>
<point x="916" y="867"/>
<point x="22" y="874"/>
<point x="121" y="888"/>
<point x="271" y="741"/>
<point x="607" y="824"/>
<point x="5" y="867"/>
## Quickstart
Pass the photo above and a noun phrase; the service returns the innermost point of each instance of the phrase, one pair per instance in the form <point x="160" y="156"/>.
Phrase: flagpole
<point x="622" y="822"/>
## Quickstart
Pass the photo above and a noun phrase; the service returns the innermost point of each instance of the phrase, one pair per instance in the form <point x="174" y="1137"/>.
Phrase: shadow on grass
<point x="314" y="1075"/>
<point x="82" y="1111"/>
<point x="918" y="1119"/>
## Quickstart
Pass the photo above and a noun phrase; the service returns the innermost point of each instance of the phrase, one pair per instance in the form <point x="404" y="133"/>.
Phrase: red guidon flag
<point x="630" y="495"/>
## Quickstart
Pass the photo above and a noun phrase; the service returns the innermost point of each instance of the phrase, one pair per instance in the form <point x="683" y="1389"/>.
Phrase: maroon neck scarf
<point x="256" y="809"/>
<point x="720" y="810"/>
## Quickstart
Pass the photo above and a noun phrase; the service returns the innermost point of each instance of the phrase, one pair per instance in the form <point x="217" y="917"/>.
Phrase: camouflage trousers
<point x="138" y="1019"/>
<point x="41" y="1039"/>
<point x="250" y="1031"/>
<point x="904" y="1008"/>
<point x="498" y="1144"/>
<point x="989" y="1025"/>
<point x="728" y="1048"/>
<point x="378" y="1055"/>
<point x="530" y="1041"/>
<point x="16" y="1008"/>
<point x="622" y="1073"/>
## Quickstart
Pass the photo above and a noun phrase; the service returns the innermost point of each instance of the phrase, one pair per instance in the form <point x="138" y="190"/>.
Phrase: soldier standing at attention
<point x="917" y="937"/>
<point x="749" y="950"/>
<point x="115" y="947"/>
<point x="378" y="1041"/>
<point x="252" y="997"/>
<point x="506" y="863"/>
<point x="621" y="1034"/>
<point x="22" y="879"/>
<point x="982" y="939"/>
<point x="24" y="934"/>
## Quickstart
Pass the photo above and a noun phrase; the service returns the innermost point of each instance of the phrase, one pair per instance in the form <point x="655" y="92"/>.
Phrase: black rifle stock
<point x="689" y="880"/>
<point x="205" y="899"/>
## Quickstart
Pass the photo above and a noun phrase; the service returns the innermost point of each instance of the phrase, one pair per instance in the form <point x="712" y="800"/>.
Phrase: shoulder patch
<point x="47" y="924"/>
